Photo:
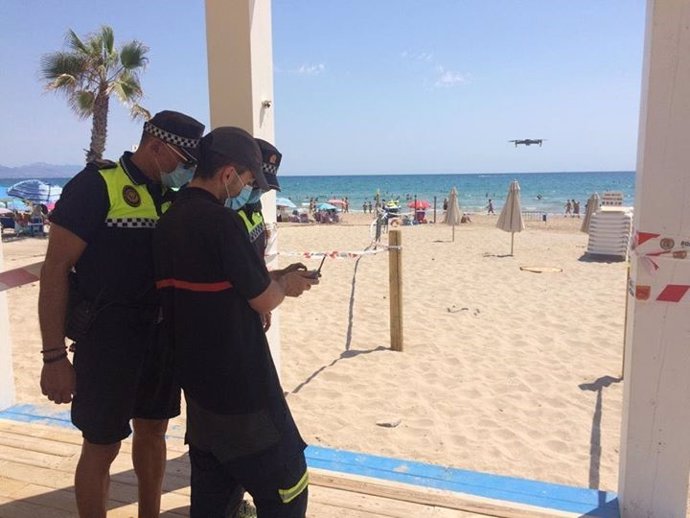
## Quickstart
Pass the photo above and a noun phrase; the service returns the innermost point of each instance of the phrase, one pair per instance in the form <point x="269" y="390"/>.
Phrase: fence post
<point x="395" y="289"/>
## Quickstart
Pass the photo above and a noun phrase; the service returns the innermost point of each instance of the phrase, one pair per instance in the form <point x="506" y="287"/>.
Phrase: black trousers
<point x="279" y="489"/>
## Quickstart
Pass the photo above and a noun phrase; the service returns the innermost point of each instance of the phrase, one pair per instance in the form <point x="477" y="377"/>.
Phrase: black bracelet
<point x="53" y="349"/>
<point x="56" y="358"/>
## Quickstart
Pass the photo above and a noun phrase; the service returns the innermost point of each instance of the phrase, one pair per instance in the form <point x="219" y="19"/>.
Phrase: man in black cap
<point x="97" y="289"/>
<point x="213" y="290"/>
<point x="249" y="209"/>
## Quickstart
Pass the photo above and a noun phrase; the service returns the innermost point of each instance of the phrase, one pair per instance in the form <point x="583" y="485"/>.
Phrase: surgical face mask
<point x="177" y="177"/>
<point x="242" y="199"/>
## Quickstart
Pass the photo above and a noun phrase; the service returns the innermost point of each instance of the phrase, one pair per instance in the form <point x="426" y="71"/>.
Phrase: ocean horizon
<point x="544" y="192"/>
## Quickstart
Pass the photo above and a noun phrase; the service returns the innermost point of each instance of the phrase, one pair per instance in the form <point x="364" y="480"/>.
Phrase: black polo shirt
<point x="206" y="271"/>
<point x="117" y="264"/>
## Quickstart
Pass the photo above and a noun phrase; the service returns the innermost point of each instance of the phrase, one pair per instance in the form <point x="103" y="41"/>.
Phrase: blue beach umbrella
<point x="284" y="202"/>
<point x="35" y="191"/>
<point x="326" y="206"/>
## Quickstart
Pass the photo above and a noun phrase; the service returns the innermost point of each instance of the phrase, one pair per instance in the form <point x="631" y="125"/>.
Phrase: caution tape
<point x="335" y="254"/>
<point x="654" y="284"/>
<point x="650" y="244"/>
<point x="20" y="276"/>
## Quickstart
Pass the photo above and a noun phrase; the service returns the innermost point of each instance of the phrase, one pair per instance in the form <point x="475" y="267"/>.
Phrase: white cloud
<point x="311" y="70"/>
<point x="417" y="56"/>
<point x="447" y="78"/>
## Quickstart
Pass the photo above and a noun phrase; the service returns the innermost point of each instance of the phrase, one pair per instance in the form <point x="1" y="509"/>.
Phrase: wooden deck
<point x="37" y="465"/>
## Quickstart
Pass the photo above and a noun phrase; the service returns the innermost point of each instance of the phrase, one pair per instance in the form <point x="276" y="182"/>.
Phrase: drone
<point x="528" y="141"/>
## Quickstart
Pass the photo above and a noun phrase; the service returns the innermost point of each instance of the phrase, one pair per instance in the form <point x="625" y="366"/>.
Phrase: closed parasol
<point x="510" y="219"/>
<point x="592" y="207"/>
<point x="453" y="213"/>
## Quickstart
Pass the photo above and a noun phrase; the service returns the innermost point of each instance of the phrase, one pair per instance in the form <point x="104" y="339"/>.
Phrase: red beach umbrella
<point x="419" y="204"/>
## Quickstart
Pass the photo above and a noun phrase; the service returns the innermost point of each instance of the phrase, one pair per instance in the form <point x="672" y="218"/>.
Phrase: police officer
<point x="213" y="288"/>
<point x="97" y="288"/>
<point x="248" y="206"/>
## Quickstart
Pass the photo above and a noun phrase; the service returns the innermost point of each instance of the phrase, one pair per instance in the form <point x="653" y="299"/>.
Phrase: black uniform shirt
<point x="117" y="264"/>
<point x="207" y="270"/>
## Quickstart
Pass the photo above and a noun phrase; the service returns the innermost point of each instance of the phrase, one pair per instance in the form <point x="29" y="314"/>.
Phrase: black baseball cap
<point x="234" y="146"/>
<point x="178" y="129"/>
<point x="270" y="162"/>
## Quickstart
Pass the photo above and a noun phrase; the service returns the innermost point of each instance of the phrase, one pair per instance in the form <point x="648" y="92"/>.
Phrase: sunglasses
<point x="187" y="162"/>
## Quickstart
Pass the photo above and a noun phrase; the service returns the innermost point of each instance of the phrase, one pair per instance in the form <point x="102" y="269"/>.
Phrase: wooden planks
<point x="37" y="464"/>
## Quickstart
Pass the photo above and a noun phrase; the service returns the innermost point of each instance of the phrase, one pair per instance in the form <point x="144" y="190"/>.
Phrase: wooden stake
<point x="395" y="289"/>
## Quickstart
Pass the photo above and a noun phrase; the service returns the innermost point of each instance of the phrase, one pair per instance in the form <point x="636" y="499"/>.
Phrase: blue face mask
<point x="239" y="201"/>
<point x="177" y="177"/>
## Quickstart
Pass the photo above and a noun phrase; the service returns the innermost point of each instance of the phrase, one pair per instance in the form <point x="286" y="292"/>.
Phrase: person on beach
<point x="490" y="207"/>
<point x="247" y="204"/>
<point x="576" y="209"/>
<point x="213" y="289"/>
<point x="568" y="208"/>
<point x="97" y="288"/>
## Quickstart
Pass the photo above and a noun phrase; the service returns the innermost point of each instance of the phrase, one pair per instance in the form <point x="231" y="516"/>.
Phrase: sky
<point x="363" y="86"/>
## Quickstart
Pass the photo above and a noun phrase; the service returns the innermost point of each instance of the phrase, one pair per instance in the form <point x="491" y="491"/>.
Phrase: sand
<point x="503" y="370"/>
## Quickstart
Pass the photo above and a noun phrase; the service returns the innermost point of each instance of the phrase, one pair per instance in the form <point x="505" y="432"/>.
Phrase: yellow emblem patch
<point x="131" y="196"/>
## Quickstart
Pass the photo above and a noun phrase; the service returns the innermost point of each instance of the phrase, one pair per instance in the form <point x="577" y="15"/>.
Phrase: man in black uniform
<point x="97" y="288"/>
<point x="239" y="428"/>
<point x="249" y="207"/>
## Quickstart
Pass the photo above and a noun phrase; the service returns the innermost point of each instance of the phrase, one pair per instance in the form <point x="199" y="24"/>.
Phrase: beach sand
<point x="503" y="371"/>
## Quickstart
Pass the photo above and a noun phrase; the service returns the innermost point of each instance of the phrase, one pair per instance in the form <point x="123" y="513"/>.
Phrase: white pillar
<point x="240" y="81"/>
<point x="6" y="375"/>
<point x="655" y="438"/>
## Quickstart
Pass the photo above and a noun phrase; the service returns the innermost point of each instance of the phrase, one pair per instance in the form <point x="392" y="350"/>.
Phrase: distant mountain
<point x="40" y="170"/>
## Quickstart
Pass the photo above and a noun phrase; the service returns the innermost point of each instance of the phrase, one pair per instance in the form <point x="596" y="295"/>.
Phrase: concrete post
<point x="240" y="79"/>
<point x="655" y="444"/>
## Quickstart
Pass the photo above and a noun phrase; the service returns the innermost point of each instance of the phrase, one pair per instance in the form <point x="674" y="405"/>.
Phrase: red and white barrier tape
<point x="649" y="247"/>
<point x="20" y="276"/>
<point x="335" y="254"/>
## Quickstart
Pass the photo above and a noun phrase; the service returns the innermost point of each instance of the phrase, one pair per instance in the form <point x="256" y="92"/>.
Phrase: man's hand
<point x="294" y="267"/>
<point x="266" y="321"/>
<point x="297" y="282"/>
<point x="58" y="381"/>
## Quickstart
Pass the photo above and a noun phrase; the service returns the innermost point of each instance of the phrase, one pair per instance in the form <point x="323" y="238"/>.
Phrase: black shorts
<point x="279" y="488"/>
<point x="124" y="370"/>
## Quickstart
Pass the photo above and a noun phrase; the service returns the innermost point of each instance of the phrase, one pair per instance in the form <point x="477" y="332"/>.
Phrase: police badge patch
<point x="131" y="196"/>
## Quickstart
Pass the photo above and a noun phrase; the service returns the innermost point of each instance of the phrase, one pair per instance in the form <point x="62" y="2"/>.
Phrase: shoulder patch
<point x="131" y="196"/>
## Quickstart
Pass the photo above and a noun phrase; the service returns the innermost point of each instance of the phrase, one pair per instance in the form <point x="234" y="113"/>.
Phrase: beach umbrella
<point x="510" y="219"/>
<point x="419" y="204"/>
<point x="284" y="202"/>
<point x="326" y="206"/>
<point x="336" y="201"/>
<point x="453" y="213"/>
<point x="35" y="191"/>
<point x="592" y="207"/>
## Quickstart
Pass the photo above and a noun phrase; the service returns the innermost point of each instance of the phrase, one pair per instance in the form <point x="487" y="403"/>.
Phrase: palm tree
<point x="89" y="71"/>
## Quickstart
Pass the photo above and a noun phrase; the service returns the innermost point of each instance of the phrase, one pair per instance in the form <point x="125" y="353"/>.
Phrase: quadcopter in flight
<point x="528" y="141"/>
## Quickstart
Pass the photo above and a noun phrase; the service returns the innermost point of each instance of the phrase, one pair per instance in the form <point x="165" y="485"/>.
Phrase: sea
<point x="544" y="192"/>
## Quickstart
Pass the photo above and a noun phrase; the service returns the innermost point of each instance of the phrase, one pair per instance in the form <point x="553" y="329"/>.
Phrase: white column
<point x="6" y="375"/>
<point x="240" y="79"/>
<point x="655" y="438"/>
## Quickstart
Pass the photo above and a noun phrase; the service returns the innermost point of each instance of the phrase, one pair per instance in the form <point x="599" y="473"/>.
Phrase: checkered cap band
<point x="130" y="223"/>
<point x="269" y="168"/>
<point x="171" y="138"/>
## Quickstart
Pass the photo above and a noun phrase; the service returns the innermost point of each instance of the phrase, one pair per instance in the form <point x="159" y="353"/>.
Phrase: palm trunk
<point x="99" y="128"/>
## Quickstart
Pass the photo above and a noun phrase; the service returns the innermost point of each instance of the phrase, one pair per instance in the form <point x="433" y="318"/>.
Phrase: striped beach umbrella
<point x="35" y="191"/>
